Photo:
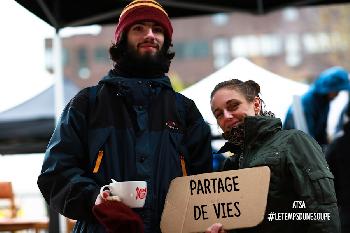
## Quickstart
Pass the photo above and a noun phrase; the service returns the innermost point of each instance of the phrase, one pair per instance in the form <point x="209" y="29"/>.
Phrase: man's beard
<point x="133" y="63"/>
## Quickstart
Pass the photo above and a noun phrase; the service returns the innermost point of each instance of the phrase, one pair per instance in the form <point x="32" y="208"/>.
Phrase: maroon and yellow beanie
<point x="143" y="10"/>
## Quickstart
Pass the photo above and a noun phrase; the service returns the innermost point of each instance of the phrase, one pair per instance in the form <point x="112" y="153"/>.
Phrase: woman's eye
<point x="218" y="115"/>
<point x="232" y="107"/>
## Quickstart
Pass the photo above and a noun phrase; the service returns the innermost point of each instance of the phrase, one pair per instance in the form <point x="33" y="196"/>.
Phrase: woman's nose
<point x="227" y="114"/>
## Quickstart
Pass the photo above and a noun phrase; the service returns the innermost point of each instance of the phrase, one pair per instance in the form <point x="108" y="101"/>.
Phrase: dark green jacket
<point x="299" y="172"/>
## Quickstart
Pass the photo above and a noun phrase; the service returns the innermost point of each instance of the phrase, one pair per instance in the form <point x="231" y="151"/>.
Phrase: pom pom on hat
<point x="143" y="10"/>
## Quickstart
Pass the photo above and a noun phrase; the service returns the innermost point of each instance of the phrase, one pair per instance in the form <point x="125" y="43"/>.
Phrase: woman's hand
<point x="215" y="228"/>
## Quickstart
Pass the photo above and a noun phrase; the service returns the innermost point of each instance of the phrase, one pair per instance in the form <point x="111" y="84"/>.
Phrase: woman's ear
<point x="257" y="105"/>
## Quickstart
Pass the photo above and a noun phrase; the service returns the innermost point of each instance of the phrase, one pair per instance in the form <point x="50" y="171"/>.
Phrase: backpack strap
<point x="92" y="99"/>
<point x="92" y="96"/>
<point x="181" y="108"/>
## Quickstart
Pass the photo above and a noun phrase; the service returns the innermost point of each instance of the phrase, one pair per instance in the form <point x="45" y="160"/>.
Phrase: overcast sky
<point x="21" y="54"/>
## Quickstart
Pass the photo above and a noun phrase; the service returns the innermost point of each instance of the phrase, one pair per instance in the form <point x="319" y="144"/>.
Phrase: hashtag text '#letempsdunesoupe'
<point x="299" y="216"/>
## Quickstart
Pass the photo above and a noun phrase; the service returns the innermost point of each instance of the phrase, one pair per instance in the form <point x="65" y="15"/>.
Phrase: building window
<point x="252" y="45"/>
<point x="82" y="57"/>
<point x="290" y="14"/>
<point x="192" y="49"/>
<point x="65" y="56"/>
<point x="324" y="42"/>
<point x="83" y="69"/>
<point x="221" y="52"/>
<point x="292" y="48"/>
<point x="49" y="58"/>
<point x="84" y="73"/>
<point x="270" y="45"/>
<point x="101" y="55"/>
<point x="220" y="19"/>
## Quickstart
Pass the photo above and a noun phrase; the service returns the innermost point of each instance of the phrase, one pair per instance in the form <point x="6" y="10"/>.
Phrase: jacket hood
<point x="334" y="79"/>
<point x="117" y="80"/>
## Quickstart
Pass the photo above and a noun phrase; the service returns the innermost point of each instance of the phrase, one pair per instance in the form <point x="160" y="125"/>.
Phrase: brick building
<point x="296" y="43"/>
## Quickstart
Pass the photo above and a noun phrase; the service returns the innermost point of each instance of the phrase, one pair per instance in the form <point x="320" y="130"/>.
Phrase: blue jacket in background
<point x="315" y="102"/>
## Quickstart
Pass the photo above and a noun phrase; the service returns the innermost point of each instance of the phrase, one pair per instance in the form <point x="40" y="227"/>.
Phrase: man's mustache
<point x="148" y="44"/>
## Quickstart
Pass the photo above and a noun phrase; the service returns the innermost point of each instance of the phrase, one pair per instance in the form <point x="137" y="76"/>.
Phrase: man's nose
<point x="149" y="33"/>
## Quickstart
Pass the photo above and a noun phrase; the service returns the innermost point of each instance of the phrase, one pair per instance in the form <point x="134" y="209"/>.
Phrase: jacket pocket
<point x="271" y="160"/>
<point x="97" y="148"/>
<point x="322" y="183"/>
<point x="98" y="161"/>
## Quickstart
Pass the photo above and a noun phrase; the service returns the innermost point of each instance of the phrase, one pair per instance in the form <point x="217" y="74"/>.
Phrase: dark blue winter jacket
<point x="315" y="102"/>
<point x="139" y="128"/>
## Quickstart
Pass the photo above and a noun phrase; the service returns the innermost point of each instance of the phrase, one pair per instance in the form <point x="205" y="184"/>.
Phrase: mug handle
<point x="103" y="189"/>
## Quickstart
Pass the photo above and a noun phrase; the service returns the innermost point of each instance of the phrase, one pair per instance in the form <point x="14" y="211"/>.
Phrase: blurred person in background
<point x="316" y="102"/>
<point x="343" y="118"/>
<point x="338" y="158"/>
<point x="299" y="171"/>
<point x="131" y="126"/>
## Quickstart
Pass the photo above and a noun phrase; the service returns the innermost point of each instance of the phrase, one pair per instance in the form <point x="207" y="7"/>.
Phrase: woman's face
<point x="230" y="107"/>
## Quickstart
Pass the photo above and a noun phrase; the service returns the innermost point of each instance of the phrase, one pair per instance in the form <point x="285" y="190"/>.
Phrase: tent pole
<point x="58" y="69"/>
<point x="56" y="219"/>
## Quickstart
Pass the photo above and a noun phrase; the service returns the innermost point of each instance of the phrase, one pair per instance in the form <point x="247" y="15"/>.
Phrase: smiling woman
<point x="255" y="139"/>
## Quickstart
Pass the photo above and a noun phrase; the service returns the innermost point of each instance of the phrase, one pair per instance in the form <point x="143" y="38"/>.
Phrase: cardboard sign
<point x="235" y="198"/>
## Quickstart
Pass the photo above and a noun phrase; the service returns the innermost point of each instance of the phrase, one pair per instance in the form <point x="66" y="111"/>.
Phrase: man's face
<point x="146" y="38"/>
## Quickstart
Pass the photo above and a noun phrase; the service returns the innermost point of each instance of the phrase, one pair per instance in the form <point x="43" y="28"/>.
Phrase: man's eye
<point x="158" y="30"/>
<point x="137" y="28"/>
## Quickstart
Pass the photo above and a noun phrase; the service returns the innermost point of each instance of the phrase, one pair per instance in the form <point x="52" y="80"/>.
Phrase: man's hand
<point x="106" y="196"/>
<point x="215" y="228"/>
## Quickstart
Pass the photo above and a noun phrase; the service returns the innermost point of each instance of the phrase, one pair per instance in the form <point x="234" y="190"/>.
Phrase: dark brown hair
<point x="249" y="89"/>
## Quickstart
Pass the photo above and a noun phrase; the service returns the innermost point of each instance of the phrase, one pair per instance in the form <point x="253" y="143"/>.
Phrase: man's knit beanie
<point x="143" y="10"/>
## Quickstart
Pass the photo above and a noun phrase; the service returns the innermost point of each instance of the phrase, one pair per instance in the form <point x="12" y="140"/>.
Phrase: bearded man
<point x="131" y="126"/>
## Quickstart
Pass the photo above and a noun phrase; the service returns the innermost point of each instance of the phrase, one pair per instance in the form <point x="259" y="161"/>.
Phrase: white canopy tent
<point x="276" y="91"/>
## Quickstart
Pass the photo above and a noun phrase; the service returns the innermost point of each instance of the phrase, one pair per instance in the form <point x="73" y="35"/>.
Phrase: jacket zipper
<point x="98" y="161"/>
<point x="240" y="160"/>
<point x="183" y="165"/>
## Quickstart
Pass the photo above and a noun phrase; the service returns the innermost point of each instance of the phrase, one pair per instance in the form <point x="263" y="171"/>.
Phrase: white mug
<point x="131" y="193"/>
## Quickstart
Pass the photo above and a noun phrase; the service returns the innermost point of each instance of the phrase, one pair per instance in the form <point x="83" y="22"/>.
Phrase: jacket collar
<point x="117" y="80"/>
<point x="256" y="130"/>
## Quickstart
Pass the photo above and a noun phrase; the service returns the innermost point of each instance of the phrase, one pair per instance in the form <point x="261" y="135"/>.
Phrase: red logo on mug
<point x="141" y="193"/>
